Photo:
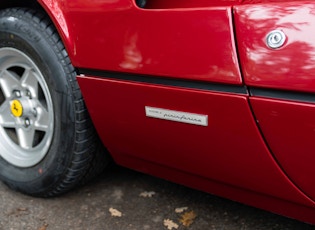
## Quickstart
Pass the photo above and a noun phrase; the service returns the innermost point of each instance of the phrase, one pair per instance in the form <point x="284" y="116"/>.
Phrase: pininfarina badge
<point x="172" y="115"/>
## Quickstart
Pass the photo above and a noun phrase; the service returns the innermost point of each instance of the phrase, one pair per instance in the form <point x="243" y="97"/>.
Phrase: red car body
<point x="209" y="58"/>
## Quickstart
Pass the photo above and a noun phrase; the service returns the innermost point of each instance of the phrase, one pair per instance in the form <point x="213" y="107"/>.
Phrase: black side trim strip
<point x="188" y="84"/>
<point x="282" y="94"/>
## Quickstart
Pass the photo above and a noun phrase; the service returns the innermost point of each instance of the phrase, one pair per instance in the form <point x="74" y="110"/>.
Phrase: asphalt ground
<point x="126" y="200"/>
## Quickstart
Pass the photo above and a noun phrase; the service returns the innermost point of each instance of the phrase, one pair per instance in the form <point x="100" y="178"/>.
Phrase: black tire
<point x="72" y="153"/>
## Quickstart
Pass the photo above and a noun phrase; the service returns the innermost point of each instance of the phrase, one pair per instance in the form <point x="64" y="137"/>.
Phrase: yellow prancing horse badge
<point x="16" y="108"/>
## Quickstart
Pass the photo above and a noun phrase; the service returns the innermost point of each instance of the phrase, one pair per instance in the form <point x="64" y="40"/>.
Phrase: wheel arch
<point x="54" y="11"/>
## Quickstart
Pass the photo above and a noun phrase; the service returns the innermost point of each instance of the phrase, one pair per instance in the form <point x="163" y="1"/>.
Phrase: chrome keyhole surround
<point x="275" y="39"/>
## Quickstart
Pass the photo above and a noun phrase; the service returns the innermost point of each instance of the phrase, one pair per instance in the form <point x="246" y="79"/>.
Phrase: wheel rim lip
<point x="14" y="153"/>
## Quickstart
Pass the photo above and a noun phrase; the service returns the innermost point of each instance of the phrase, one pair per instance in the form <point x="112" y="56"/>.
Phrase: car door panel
<point x="191" y="43"/>
<point x="229" y="149"/>
<point x="143" y="43"/>
<point x="288" y="67"/>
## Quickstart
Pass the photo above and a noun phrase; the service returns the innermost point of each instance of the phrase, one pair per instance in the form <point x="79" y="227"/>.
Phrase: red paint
<point x="289" y="129"/>
<point x="176" y="43"/>
<point x="195" y="40"/>
<point x="229" y="150"/>
<point x="290" y="67"/>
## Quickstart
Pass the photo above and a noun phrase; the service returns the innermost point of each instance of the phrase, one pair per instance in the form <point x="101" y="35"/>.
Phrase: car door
<point x="164" y="90"/>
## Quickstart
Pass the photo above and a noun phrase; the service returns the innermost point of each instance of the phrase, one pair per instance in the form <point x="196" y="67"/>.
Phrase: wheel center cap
<point x="16" y="108"/>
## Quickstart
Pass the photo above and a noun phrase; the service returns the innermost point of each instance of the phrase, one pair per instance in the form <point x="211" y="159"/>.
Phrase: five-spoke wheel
<point x="26" y="110"/>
